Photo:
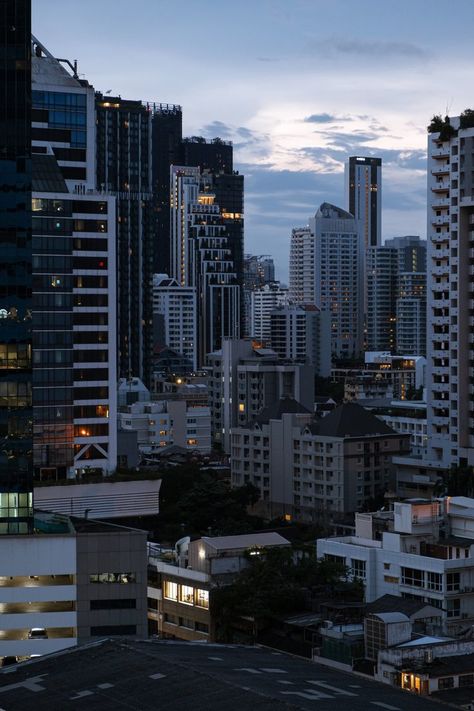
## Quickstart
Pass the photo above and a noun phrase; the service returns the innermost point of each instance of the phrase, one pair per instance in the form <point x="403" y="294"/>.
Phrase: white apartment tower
<point x="450" y="296"/>
<point x="302" y="281"/>
<point x="338" y="272"/>
<point x="175" y="306"/>
<point x="262" y="302"/>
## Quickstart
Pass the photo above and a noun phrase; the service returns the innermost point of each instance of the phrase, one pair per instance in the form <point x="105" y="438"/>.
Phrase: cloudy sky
<point x="297" y="85"/>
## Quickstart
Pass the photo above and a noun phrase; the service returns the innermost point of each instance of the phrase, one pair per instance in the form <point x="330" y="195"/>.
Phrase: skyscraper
<point x="450" y="340"/>
<point x="302" y="276"/>
<point x="124" y="168"/>
<point x="74" y="277"/>
<point x="202" y="257"/>
<point x="262" y="302"/>
<point x="338" y="269"/>
<point x="16" y="461"/>
<point x="258" y="271"/>
<point x="363" y="177"/>
<point x="382" y="291"/>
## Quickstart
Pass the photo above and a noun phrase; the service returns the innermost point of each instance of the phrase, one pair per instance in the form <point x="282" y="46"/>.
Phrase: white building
<point x="301" y="272"/>
<point x="167" y="422"/>
<point x="262" y="302"/>
<point x="339" y="288"/>
<point x="175" y="307"/>
<point x="423" y="549"/>
<point x="450" y="339"/>
<point x="302" y="332"/>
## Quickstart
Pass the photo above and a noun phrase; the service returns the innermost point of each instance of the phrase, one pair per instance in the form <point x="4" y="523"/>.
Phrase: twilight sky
<point x="297" y="85"/>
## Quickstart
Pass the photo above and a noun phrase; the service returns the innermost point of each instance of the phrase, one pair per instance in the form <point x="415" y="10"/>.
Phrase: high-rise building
<point x="167" y="134"/>
<point x="262" y="302"/>
<point x="124" y="169"/>
<point x="363" y="177"/>
<point x="302" y="333"/>
<point x="258" y="271"/>
<point x="16" y="461"/>
<point x="174" y="313"/>
<point x="450" y="337"/>
<point x="382" y="292"/>
<point x="302" y="275"/>
<point x="202" y="257"/>
<point x="411" y="313"/>
<point x="74" y="277"/>
<point x="338" y="268"/>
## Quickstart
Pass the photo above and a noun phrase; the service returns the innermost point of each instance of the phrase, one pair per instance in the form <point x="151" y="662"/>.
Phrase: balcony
<point x="438" y="237"/>
<point x="442" y="152"/>
<point x="441" y="186"/>
<point x="440" y="220"/>
<point x="440" y="169"/>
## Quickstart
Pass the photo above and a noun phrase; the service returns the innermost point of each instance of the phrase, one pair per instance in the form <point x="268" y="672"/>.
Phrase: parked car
<point x="37" y="633"/>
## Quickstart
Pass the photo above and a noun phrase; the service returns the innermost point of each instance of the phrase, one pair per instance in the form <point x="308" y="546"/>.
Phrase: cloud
<point x="368" y="50"/>
<point x="323" y="118"/>
<point x="217" y="128"/>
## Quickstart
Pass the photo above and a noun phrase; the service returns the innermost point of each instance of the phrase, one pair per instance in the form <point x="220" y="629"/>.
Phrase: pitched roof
<point x="350" y="420"/>
<point x="283" y="406"/>
<point x="247" y="540"/>
<point x="393" y="603"/>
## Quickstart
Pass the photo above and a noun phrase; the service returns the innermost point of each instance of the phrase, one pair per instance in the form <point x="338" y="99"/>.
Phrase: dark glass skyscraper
<point x="124" y="170"/>
<point x="16" y="462"/>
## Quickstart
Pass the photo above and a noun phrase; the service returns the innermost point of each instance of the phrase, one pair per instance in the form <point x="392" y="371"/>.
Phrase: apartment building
<point x="262" y="302"/>
<point x="244" y="378"/>
<point x="174" y="317"/>
<point x="305" y="467"/>
<point x="302" y="332"/>
<point x="422" y="549"/>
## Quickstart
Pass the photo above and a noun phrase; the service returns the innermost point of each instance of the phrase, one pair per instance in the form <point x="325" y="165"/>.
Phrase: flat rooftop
<point x="184" y="676"/>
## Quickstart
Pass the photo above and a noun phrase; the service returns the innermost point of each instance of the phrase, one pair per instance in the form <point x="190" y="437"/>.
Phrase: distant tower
<point x="364" y="196"/>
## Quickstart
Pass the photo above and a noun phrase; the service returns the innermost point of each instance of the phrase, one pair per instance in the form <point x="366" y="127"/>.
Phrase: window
<point x="202" y="598"/>
<point x="106" y="630"/>
<point x="446" y="682"/>
<point x="170" y="619"/>
<point x="466" y="680"/>
<point x="201" y="627"/>
<point x="452" y="582"/>
<point x="170" y="590"/>
<point x="186" y="594"/>
<point x="186" y="622"/>
<point x="122" y="578"/>
<point x="434" y="581"/>
<point x="413" y="577"/>
<point x="125" y="604"/>
<point x="453" y="607"/>
<point x="358" y="568"/>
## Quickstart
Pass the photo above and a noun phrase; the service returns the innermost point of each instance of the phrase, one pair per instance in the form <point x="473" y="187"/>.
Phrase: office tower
<point x="411" y="253"/>
<point x="450" y="342"/>
<point x="74" y="277"/>
<point x="338" y="268"/>
<point x="411" y="313"/>
<point x="382" y="292"/>
<point x="258" y="271"/>
<point x="363" y="178"/>
<point x="215" y="156"/>
<point x="124" y="169"/>
<point x="201" y="257"/>
<point x="16" y="464"/>
<point x="302" y="276"/>
<point x="302" y="332"/>
<point x="174" y="314"/>
<point x="167" y="134"/>
<point x="262" y="302"/>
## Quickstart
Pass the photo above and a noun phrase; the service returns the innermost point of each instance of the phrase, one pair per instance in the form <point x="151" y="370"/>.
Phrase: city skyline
<point x="320" y="83"/>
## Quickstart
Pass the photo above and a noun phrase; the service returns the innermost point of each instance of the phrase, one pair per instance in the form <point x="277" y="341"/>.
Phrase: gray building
<point x="364" y="196"/>
<point x="382" y="286"/>
<point x="244" y="379"/>
<point x="302" y="332"/>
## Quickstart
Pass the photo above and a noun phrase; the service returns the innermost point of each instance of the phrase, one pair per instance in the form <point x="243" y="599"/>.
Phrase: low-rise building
<point x="382" y="376"/>
<point x="304" y="466"/>
<point x="73" y="580"/>
<point x="180" y="588"/>
<point x="425" y="551"/>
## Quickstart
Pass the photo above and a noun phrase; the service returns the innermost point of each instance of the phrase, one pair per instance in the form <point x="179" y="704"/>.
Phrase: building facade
<point x="174" y="314"/>
<point x="262" y="302"/>
<point x="382" y="291"/>
<point x="302" y="333"/>
<point x="302" y="266"/>
<point x="16" y="415"/>
<point x="339" y="269"/>
<point x="364" y="196"/>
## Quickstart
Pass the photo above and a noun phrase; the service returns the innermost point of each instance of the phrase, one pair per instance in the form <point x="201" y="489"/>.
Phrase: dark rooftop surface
<point x="283" y="406"/>
<point x="46" y="175"/>
<point x="392" y="603"/>
<point x="350" y="420"/>
<point x="180" y="676"/>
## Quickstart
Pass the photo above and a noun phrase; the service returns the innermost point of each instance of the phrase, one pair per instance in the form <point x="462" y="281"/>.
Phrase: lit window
<point x="241" y="407"/>
<point x="186" y="594"/>
<point x="202" y="598"/>
<point x="170" y="590"/>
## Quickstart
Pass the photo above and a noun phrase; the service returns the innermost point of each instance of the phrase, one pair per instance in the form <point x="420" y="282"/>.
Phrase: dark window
<point x="90" y="206"/>
<point x="51" y="134"/>
<point x="125" y="604"/>
<point x="78" y="154"/>
<point x="106" y="630"/>
<point x="73" y="173"/>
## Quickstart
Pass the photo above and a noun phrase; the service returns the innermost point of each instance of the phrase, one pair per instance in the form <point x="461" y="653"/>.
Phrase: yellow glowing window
<point x="202" y="598"/>
<point x="186" y="594"/>
<point x="192" y="441"/>
<point x="170" y="590"/>
<point x="241" y="407"/>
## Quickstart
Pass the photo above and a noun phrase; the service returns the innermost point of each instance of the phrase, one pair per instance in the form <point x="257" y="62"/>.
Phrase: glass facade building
<point x="16" y="465"/>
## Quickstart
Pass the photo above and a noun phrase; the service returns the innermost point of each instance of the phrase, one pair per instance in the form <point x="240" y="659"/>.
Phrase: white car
<point x="37" y="633"/>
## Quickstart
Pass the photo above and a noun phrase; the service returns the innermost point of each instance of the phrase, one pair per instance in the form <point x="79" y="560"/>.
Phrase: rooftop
<point x="351" y="420"/>
<point x="389" y="603"/>
<point x="283" y="406"/>
<point x="178" y="676"/>
<point x="247" y="540"/>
